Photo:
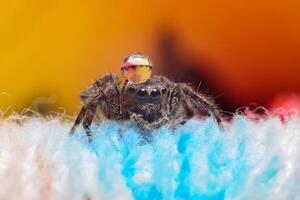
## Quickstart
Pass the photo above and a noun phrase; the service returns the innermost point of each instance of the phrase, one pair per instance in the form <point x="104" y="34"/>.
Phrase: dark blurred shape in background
<point x="179" y="66"/>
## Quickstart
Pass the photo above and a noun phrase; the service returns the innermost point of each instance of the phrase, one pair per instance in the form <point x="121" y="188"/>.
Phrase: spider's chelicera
<point x="150" y="101"/>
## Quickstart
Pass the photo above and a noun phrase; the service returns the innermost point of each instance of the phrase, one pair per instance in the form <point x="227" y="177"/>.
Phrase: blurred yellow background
<point x="52" y="50"/>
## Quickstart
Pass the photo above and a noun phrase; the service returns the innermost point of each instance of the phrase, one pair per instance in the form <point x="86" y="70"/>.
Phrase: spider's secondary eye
<point x="131" y="89"/>
<point x="142" y="94"/>
<point x="155" y="94"/>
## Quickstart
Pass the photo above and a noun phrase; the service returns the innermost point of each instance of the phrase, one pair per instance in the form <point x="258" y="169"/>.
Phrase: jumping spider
<point x="150" y="104"/>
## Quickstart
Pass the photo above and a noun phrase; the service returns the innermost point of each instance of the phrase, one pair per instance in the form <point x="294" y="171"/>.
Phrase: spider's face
<point x="145" y="98"/>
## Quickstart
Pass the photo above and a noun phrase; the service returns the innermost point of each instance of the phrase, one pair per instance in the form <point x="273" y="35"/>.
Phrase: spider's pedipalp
<point x="146" y="126"/>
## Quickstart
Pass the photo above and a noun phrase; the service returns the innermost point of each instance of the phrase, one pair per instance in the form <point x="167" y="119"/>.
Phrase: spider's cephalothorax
<point x="151" y="102"/>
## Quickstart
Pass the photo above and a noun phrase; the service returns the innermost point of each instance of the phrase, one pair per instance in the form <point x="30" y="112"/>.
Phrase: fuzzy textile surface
<point x="247" y="160"/>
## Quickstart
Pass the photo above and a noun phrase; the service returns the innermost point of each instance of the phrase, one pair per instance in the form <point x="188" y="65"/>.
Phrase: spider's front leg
<point x="146" y="126"/>
<point x="201" y="103"/>
<point x="178" y="107"/>
<point x="86" y="115"/>
<point x="104" y="93"/>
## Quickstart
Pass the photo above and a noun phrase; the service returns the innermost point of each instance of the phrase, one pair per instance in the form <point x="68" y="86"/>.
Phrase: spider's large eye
<point x="142" y="94"/>
<point x="155" y="94"/>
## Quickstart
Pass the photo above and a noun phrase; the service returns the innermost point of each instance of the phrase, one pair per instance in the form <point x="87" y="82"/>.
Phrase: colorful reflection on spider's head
<point x="137" y="68"/>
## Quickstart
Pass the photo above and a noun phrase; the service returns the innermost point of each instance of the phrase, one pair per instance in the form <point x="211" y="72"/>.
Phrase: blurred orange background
<point x="52" y="50"/>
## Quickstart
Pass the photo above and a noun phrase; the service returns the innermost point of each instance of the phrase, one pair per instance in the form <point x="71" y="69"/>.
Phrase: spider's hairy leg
<point x="202" y="103"/>
<point x="99" y="86"/>
<point x="104" y="93"/>
<point x="175" y="101"/>
<point x="175" y="104"/>
<point x="89" y="119"/>
<point x="86" y="115"/>
<point x="78" y="120"/>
